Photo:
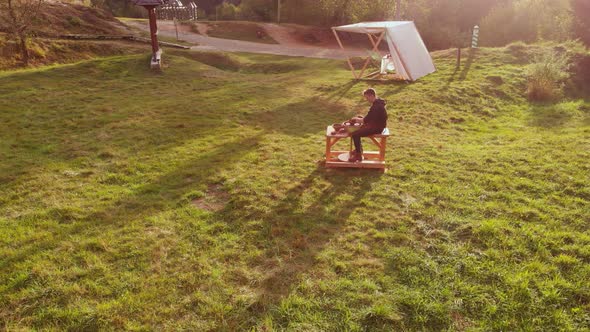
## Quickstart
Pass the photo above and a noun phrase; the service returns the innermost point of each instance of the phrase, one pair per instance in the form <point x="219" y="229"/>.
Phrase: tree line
<point x="442" y="23"/>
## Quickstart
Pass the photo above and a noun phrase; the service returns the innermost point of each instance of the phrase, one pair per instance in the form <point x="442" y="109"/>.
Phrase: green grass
<point x="50" y="51"/>
<point x="132" y="19"/>
<point x="245" y="31"/>
<point x="195" y="199"/>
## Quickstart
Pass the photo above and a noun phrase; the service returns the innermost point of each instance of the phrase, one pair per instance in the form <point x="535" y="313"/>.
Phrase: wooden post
<point x="347" y="58"/>
<point x="153" y="28"/>
<point x="156" y="53"/>
<point x="375" y="49"/>
<point x="458" y="57"/>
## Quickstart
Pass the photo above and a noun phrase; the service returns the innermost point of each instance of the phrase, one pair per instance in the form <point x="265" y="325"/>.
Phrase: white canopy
<point x="406" y="47"/>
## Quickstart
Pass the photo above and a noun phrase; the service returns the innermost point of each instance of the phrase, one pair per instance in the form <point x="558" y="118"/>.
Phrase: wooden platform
<point x="371" y="159"/>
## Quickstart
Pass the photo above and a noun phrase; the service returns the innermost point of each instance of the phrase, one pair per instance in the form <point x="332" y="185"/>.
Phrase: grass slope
<point x="195" y="199"/>
<point x="50" y="51"/>
<point x="246" y="31"/>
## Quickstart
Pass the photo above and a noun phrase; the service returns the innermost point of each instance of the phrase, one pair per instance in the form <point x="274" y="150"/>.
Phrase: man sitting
<point x="373" y="123"/>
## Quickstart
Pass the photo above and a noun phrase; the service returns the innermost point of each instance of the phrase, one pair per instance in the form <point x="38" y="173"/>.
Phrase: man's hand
<point x="358" y="119"/>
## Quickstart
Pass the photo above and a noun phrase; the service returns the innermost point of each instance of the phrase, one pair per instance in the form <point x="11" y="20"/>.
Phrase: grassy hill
<point x="62" y="18"/>
<point x="52" y="51"/>
<point x="196" y="199"/>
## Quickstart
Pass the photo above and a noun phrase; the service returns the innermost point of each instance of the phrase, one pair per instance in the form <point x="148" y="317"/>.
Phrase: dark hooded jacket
<point x="377" y="116"/>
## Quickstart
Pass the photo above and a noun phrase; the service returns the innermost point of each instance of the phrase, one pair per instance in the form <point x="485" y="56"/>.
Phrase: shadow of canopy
<point x="309" y="116"/>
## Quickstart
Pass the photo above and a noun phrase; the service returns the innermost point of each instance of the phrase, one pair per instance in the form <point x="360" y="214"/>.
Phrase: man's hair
<point x="369" y="92"/>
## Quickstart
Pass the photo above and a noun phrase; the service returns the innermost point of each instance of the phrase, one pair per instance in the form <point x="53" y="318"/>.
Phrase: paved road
<point x="166" y="28"/>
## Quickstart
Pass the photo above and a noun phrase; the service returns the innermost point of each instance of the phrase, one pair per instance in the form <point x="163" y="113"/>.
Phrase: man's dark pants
<point x="364" y="132"/>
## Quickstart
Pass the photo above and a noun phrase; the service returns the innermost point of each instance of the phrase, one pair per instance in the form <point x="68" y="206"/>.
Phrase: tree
<point x="18" y="17"/>
<point x="209" y="5"/>
<point x="581" y="11"/>
<point x="258" y="10"/>
<point x="527" y="21"/>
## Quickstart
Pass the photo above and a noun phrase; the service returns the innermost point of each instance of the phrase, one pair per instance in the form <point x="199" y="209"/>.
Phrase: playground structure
<point x="175" y="10"/>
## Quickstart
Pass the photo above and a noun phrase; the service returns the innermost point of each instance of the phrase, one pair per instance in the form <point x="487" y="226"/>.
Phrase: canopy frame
<point x="409" y="54"/>
<point x="375" y="38"/>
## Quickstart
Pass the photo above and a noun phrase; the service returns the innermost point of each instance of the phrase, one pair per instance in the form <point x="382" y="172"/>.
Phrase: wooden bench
<point x="371" y="159"/>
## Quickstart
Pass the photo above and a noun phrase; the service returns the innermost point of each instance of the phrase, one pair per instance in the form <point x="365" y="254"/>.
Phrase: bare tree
<point x="17" y="17"/>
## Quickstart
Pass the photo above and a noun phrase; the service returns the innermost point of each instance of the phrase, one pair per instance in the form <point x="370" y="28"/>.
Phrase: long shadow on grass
<point x="341" y="91"/>
<point x="468" y="64"/>
<point x="157" y="196"/>
<point x="90" y="110"/>
<point x="305" y="117"/>
<point x="296" y="230"/>
<point x="451" y="79"/>
<point x="301" y="118"/>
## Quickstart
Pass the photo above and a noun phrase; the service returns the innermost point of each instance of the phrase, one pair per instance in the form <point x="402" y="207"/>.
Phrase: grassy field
<point x="196" y="199"/>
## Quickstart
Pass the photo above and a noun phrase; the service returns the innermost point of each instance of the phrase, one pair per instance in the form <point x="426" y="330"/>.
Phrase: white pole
<point x="475" y="38"/>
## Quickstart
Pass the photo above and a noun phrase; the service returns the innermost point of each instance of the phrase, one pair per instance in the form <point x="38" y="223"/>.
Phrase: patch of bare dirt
<point x="202" y="28"/>
<point x="301" y="35"/>
<point x="214" y="200"/>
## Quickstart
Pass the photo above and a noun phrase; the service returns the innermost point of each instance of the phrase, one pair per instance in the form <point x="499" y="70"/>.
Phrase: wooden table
<point x="371" y="159"/>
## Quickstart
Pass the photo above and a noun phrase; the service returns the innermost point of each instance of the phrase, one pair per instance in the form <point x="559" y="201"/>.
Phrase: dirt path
<point x="203" y="28"/>
<point x="288" y="45"/>
<point x="281" y="34"/>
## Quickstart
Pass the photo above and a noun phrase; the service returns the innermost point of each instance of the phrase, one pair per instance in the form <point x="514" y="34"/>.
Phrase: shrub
<point x="546" y="76"/>
<point x="36" y="51"/>
<point x="228" y="11"/>
<point x="201" y="13"/>
<point x="74" y="21"/>
<point x="257" y="10"/>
